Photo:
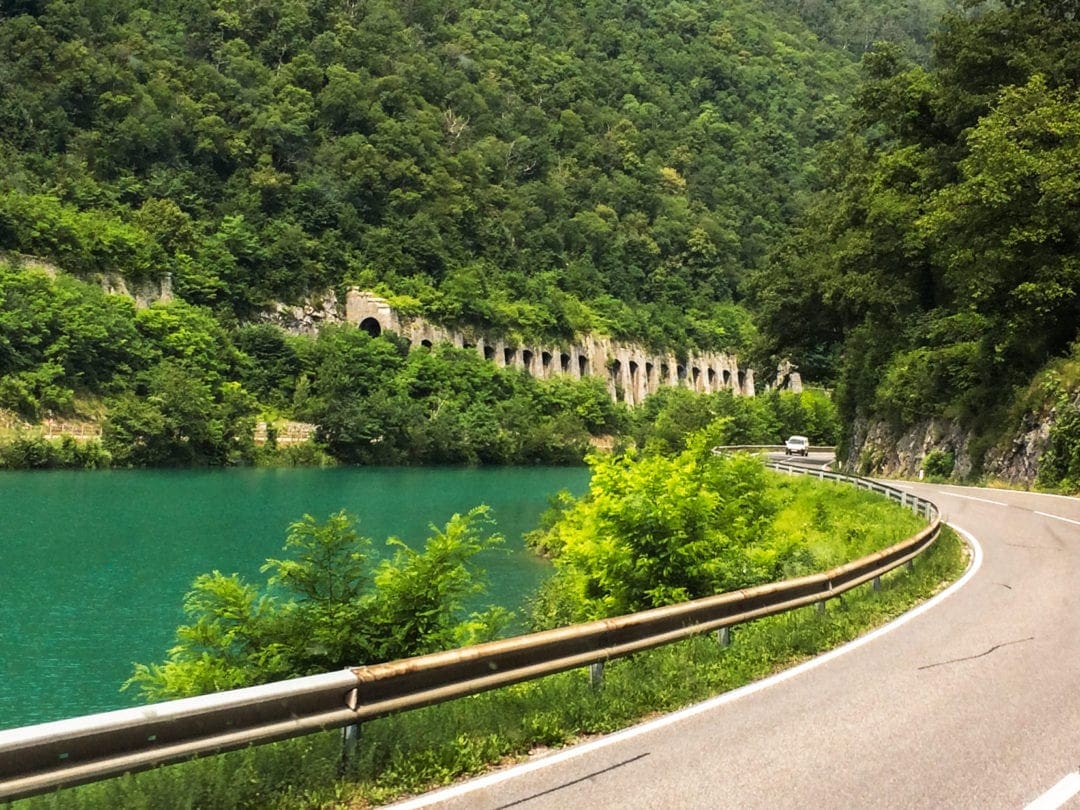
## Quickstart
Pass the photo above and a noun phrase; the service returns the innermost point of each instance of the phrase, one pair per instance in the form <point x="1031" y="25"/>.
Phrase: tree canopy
<point x="552" y="168"/>
<point x="937" y="269"/>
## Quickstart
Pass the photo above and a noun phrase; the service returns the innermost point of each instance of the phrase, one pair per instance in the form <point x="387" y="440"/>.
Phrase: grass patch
<point x="430" y="747"/>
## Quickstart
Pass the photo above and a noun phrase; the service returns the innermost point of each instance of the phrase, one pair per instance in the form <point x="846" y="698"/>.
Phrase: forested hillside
<point x="535" y="170"/>
<point x="938" y="270"/>
<point x="541" y="166"/>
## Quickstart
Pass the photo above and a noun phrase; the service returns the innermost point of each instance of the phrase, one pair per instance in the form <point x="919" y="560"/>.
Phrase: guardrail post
<point x="911" y="564"/>
<point x="820" y="606"/>
<point x="596" y="675"/>
<point x="350" y="740"/>
<point x="877" y="583"/>
<point x="723" y="636"/>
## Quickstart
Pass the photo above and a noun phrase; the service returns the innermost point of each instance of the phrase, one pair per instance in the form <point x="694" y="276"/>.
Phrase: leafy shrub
<point x="38" y="453"/>
<point x="939" y="464"/>
<point x="656" y="529"/>
<point x="327" y="606"/>
<point x="1059" y="465"/>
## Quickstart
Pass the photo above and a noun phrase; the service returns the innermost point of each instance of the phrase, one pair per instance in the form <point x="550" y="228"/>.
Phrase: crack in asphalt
<point x="573" y="781"/>
<point x="980" y="655"/>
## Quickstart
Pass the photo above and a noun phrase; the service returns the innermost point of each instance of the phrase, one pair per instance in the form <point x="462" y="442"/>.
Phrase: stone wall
<point x="630" y="371"/>
<point x="143" y="293"/>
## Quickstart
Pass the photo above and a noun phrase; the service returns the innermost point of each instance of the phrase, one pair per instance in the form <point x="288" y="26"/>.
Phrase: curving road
<point x="971" y="701"/>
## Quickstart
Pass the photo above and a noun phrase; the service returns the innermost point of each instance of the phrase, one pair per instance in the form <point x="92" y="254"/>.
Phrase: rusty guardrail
<point x="45" y="757"/>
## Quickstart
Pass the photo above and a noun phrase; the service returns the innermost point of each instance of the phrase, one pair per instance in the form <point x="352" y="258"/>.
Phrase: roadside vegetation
<point x="653" y="529"/>
<point x="934" y="274"/>
<point x="426" y="748"/>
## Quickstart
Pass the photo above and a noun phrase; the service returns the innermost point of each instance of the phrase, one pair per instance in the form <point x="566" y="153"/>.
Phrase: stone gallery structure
<point x="630" y="371"/>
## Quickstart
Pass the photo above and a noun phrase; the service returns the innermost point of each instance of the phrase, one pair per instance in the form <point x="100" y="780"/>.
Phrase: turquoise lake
<point x="94" y="565"/>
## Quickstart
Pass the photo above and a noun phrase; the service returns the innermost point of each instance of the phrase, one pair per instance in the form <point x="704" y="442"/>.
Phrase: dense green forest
<point x="883" y="191"/>
<point x="937" y="270"/>
<point x="507" y="163"/>
<point x="530" y="170"/>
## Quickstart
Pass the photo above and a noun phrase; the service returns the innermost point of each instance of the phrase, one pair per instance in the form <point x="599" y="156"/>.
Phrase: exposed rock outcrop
<point x="878" y="449"/>
<point x="307" y="317"/>
<point x="1017" y="460"/>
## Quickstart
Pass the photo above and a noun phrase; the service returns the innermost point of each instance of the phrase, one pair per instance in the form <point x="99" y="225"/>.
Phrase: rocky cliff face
<point x="1017" y="460"/>
<point x="306" y="317"/>
<point x="878" y="449"/>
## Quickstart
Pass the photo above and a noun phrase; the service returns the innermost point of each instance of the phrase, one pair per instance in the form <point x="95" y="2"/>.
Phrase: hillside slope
<point x="549" y="168"/>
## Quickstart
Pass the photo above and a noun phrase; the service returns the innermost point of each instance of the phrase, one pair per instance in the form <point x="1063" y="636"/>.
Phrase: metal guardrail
<point x="45" y="757"/>
<point x="771" y="448"/>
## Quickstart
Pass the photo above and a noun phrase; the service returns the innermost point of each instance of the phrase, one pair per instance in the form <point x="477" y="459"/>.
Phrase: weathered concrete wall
<point x="788" y="377"/>
<point x="143" y="293"/>
<point x="630" y="371"/>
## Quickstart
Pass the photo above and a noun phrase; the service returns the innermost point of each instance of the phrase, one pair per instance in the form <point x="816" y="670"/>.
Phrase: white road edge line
<point x="457" y="791"/>
<point x="1057" y="795"/>
<point x="1059" y="517"/>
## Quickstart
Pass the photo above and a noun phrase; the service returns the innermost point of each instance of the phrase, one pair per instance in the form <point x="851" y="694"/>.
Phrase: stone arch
<point x="710" y="376"/>
<point x="425" y="343"/>
<point x="742" y="380"/>
<point x="695" y="377"/>
<point x="545" y="363"/>
<point x="583" y="365"/>
<point x="564" y="363"/>
<point x="526" y="360"/>
<point x="489" y="352"/>
<point x="371" y="326"/>
<point x="616" y="379"/>
<point x="727" y="378"/>
<point x="680" y="373"/>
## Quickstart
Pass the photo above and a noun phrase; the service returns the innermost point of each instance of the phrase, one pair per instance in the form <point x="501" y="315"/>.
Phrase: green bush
<point x="327" y="606"/>
<point x="1059" y="465"/>
<point x="939" y="464"/>
<point x="656" y="529"/>
<point x="38" y="453"/>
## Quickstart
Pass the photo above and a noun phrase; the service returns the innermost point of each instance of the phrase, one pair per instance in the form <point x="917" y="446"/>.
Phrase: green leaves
<point x="659" y="529"/>
<point x="329" y="605"/>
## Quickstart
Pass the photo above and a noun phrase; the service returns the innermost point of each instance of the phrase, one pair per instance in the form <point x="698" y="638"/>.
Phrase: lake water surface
<point x="94" y="565"/>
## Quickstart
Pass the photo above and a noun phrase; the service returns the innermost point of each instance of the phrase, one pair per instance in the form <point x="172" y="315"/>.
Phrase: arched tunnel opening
<point x="371" y="326"/>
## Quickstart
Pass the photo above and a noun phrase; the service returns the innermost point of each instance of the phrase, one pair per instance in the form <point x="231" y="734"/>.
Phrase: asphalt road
<point x="972" y="701"/>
